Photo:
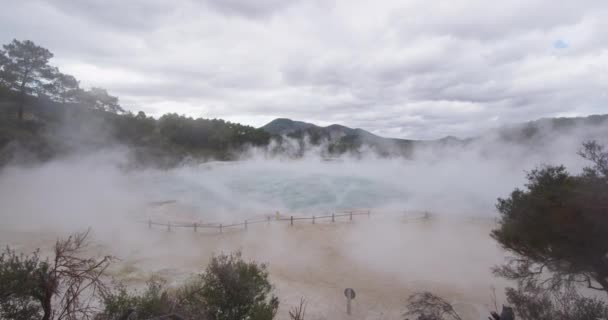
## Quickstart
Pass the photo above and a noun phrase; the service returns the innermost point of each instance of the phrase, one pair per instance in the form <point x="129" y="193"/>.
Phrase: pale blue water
<point x="241" y="187"/>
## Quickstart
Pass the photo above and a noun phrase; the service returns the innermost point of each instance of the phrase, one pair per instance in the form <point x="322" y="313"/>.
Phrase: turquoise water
<point x="242" y="187"/>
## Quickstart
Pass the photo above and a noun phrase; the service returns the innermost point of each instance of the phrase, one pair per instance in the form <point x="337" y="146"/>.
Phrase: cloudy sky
<point x="406" y="68"/>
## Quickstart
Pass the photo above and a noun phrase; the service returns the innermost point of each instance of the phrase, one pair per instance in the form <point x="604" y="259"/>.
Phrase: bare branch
<point x="298" y="312"/>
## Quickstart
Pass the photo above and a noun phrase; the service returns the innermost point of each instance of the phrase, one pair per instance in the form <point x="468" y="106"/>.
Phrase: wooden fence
<point x="195" y="226"/>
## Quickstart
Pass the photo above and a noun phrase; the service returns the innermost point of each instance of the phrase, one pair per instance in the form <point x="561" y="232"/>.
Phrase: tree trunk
<point x="46" y="307"/>
<point x="21" y="102"/>
<point x="49" y="288"/>
<point x="20" y="110"/>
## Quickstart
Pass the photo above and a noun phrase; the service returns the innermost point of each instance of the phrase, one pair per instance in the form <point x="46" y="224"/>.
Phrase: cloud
<point x="410" y="69"/>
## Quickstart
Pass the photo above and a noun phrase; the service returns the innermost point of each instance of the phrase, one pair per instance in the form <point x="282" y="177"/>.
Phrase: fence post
<point x="333" y="217"/>
<point x="220" y="228"/>
<point x="195" y="226"/>
<point x="351" y="216"/>
<point x="291" y="220"/>
<point x="168" y="225"/>
<point x="149" y="223"/>
<point x="245" y="224"/>
<point x="313" y="219"/>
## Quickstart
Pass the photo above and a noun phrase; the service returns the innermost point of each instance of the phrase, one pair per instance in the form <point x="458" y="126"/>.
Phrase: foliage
<point x="427" y="306"/>
<point x="64" y="287"/>
<point x="64" y="88"/>
<point x="237" y="290"/>
<point x="56" y="104"/>
<point x="25" y="68"/>
<point x="18" y="284"/>
<point x="230" y="288"/>
<point x="152" y="302"/>
<point x="208" y="133"/>
<point x="535" y="303"/>
<point x="558" y="227"/>
<point x="99" y="99"/>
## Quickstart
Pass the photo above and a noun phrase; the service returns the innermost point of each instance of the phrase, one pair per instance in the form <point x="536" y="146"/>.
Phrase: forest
<point x="45" y="113"/>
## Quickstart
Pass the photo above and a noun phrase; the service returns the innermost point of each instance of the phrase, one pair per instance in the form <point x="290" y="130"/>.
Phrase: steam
<point x="384" y="256"/>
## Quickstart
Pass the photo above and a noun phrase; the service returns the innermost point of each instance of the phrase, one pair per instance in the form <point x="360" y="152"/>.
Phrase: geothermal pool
<point x="384" y="257"/>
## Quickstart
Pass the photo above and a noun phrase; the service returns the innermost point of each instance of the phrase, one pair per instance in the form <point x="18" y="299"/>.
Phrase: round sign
<point x="349" y="293"/>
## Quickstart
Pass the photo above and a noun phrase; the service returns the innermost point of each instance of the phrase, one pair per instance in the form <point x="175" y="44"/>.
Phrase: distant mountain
<point x="340" y="139"/>
<point x="533" y="131"/>
<point x="283" y="126"/>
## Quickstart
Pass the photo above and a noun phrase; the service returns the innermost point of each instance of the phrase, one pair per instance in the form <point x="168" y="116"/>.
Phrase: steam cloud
<point x="385" y="257"/>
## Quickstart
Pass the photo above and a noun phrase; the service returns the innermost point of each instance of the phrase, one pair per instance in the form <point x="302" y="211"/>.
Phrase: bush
<point x="61" y="288"/>
<point x="236" y="290"/>
<point x="535" y="303"/>
<point x="229" y="289"/>
<point x="152" y="302"/>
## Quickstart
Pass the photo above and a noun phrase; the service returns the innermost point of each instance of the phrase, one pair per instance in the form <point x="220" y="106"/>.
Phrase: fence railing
<point x="195" y="226"/>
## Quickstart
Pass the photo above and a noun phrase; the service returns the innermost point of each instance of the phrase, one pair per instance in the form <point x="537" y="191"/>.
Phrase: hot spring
<point x="385" y="257"/>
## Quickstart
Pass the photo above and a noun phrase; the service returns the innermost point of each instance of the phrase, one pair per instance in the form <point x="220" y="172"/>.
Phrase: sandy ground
<point x="384" y="258"/>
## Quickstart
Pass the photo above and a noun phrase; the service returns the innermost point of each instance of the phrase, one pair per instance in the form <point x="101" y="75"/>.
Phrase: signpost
<point x="349" y="293"/>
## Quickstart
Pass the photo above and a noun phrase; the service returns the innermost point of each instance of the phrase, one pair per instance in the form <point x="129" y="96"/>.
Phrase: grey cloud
<point x="250" y="9"/>
<point x="413" y="69"/>
<point x="132" y="15"/>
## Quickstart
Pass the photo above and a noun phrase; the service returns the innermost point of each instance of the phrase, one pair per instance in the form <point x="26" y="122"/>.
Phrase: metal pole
<point x="220" y="228"/>
<point x="348" y="306"/>
<point x="195" y="226"/>
<point x="333" y="217"/>
<point x="313" y="219"/>
<point x="351" y="216"/>
<point x="245" y="224"/>
<point x="168" y="226"/>
<point x="292" y="220"/>
<point x="149" y="223"/>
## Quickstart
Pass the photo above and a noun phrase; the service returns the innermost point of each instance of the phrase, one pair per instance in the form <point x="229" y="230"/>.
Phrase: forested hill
<point x="45" y="113"/>
<point x="50" y="129"/>
<point x="339" y="139"/>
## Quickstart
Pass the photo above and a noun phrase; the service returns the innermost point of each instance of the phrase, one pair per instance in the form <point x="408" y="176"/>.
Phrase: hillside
<point x="285" y="126"/>
<point x="51" y="129"/>
<point x="340" y="139"/>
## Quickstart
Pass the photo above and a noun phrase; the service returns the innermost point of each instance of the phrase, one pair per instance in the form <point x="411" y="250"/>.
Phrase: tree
<point x="5" y="77"/>
<point x="298" y="312"/>
<point x="99" y="99"/>
<point x="427" y="306"/>
<point x="229" y="289"/>
<point x="64" y="287"/>
<point x="154" y="301"/>
<point x="18" y="275"/>
<point x="25" y="69"/>
<point x="64" y="88"/>
<point x="535" y="303"/>
<point x="235" y="290"/>
<point x="558" y="226"/>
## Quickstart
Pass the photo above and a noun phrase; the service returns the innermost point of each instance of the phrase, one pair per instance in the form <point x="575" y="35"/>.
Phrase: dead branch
<point x="298" y="312"/>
